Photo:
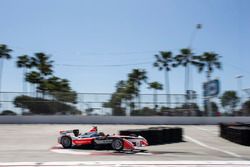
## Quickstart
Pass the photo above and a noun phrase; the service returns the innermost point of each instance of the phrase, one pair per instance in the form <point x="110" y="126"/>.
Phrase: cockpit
<point x="89" y="135"/>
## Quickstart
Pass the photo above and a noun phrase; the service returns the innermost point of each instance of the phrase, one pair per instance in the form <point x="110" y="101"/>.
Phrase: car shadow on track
<point x="107" y="152"/>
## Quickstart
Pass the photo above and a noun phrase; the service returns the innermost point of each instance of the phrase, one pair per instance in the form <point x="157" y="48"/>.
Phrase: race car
<point x="93" y="139"/>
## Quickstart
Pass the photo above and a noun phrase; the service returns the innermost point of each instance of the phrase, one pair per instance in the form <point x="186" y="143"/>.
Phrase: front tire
<point x="117" y="144"/>
<point x="66" y="142"/>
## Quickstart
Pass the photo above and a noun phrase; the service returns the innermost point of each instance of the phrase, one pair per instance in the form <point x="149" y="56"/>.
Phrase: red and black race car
<point x="93" y="139"/>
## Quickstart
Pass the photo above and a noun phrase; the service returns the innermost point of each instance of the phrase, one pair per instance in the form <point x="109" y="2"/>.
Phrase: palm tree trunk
<point x="24" y="81"/>
<point x="1" y="72"/>
<point x="127" y="108"/>
<point x="186" y="78"/>
<point x="167" y="88"/>
<point x="139" y="98"/>
<point x="139" y="102"/>
<point x="154" y="99"/>
<point x="209" y="107"/>
<point x="24" y="86"/>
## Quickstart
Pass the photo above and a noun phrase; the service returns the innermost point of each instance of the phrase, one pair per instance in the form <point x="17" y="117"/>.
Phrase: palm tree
<point x="164" y="62"/>
<point x="135" y="79"/>
<point x="4" y="54"/>
<point x="43" y="64"/>
<point x="58" y="88"/>
<point x="155" y="86"/>
<point x="185" y="59"/>
<point x="34" y="77"/>
<point x="127" y="91"/>
<point x="24" y="62"/>
<point x="210" y="62"/>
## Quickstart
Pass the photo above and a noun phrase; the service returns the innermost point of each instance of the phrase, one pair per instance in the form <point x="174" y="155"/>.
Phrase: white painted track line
<point x="211" y="148"/>
<point x="202" y="128"/>
<point x="207" y="130"/>
<point x="64" y="151"/>
<point x="133" y="163"/>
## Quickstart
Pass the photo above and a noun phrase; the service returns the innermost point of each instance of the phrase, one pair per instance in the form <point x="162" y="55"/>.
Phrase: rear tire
<point x="117" y="144"/>
<point x="66" y="142"/>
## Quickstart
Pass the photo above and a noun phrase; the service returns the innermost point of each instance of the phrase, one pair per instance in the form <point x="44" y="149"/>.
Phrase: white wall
<point x="119" y="120"/>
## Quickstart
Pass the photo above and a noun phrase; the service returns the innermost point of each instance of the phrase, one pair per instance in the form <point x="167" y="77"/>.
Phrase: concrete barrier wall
<point x="157" y="120"/>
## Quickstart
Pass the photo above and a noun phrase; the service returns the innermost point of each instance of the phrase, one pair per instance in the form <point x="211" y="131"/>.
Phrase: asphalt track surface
<point x="38" y="143"/>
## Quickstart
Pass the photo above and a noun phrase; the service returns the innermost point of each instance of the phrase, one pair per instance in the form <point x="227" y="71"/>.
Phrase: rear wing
<point x="94" y="129"/>
<point x="74" y="131"/>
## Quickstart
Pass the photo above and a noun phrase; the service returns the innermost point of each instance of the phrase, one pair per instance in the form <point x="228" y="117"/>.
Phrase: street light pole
<point x="239" y="85"/>
<point x="187" y="68"/>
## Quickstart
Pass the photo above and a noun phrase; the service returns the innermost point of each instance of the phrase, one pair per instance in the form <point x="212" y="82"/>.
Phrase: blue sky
<point x="111" y="32"/>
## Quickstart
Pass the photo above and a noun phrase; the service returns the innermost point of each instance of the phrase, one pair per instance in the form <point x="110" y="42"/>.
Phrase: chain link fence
<point x="34" y="103"/>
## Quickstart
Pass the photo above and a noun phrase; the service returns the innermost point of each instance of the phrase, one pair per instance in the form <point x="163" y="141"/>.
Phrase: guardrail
<point x="152" y="120"/>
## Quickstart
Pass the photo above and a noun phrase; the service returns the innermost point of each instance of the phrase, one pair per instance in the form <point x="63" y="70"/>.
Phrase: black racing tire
<point x="66" y="142"/>
<point x="117" y="144"/>
<point x="94" y="145"/>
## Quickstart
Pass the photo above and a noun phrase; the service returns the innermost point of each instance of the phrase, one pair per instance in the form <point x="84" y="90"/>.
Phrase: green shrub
<point x="43" y="106"/>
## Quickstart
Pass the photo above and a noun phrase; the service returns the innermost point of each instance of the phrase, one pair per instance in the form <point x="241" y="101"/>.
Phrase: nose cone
<point x="144" y="142"/>
<point x="128" y="145"/>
